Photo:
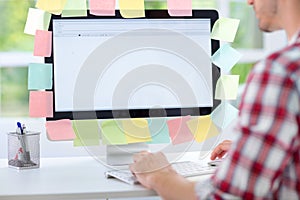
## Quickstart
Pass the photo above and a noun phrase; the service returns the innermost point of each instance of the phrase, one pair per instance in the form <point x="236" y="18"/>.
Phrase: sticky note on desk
<point x="42" y="43"/>
<point x="202" y="128"/>
<point x="60" y="130"/>
<point x="132" y="8"/>
<point x="75" y="8"/>
<point x="39" y="76"/>
<point x="113" y="133"/>
<point x="136" y="130"/>
<point x="226" y="57"/>
<point x="159" y="131"/>
<point x="87" y="133"/>
<point x="36" y="20"/>
<point x="225" y="29"/>
<point x="179" y="132"/>
<point x="180" y="7"/>
<point x="52" y="6"/>
<point x="227" y="87"/>
<point x="40" y="104"/>
<point x="224" y="114"/>
<point x="102" y="7"/>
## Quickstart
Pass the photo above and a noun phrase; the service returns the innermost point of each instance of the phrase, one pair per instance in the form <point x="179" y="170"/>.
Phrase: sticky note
<point x="113" y="133"/>
<point x="202" y="128"/>
<point x="39" y="76"/>
<point x="51" y="6"/>
<point x="136" y="130"/>
<point x="180" y="7"/>
<point x="226" y="57"/>
<point x="75" y="8"/>
<point x="132" y="8"/>
<point x="179" y="132"/>
<point x="102" y="7"/>
<point x="159" y="131"/>
<point x="36" y="20"/>
<point x="225" y="29"/>
<point x="40" y="104"/>
<point x="87" y="133"/>
<point x="42" y="43"/>
<point x="227" y="87"/>
<point x="60" y="130"/>
<point x="224" y="114"/>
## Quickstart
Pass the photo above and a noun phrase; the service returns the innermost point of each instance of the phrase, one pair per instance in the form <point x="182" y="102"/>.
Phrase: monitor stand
<point x="122" y="154"/>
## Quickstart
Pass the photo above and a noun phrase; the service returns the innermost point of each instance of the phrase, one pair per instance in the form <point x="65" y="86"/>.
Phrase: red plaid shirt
<point x="264" y="162"/>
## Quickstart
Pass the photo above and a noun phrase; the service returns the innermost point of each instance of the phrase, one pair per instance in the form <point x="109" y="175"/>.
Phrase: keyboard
<point x="186" y="169"/>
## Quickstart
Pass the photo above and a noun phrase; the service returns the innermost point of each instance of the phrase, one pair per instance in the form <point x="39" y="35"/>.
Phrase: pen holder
<point x="24" y="150"/>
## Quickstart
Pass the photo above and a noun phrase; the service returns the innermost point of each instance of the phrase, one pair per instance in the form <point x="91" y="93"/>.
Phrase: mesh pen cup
<point x="24" y="150"/>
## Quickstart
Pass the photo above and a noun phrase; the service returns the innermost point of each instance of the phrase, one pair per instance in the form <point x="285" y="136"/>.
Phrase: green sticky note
<point x="226" y="57"/>
<point x="75" y="8"/>
<point x="87" y="132"/>
<point x="112" y="133"/>
<point x="203" y="128"/>
<point x="39" y="76"/>
<point x="159" y="131"/>
<point x="225" y="29"/>
<point x="136" y="130"/>
<point x="227" y="87"/>
<point x="132" y="8"/>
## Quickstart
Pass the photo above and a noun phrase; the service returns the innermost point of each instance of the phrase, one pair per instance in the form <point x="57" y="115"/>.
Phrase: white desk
<point x="65" y="178"/>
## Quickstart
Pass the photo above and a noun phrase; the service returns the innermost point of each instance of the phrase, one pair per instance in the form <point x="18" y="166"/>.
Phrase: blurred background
<point x="16" y="48"/>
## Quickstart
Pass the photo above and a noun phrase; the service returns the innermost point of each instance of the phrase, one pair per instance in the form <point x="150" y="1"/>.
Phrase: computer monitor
<point x="108" y="67"/>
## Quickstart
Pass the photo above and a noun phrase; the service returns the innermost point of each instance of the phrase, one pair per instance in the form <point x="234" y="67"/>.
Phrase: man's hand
<point x="221" y="149"/>
<point x="148" y="166"/>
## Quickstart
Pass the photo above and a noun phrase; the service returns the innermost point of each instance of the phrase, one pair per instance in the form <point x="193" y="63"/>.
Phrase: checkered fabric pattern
<point x="264" y="161"/>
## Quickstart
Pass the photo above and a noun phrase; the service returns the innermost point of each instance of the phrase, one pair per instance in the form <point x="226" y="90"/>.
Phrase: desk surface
<point x="65" y="178"/>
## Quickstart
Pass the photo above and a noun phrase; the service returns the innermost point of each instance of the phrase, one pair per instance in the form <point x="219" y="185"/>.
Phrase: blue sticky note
<point x="226" y="57"/>
<point x="39" y="76"/>
<point x="159" y="131"/>
<point x="224" y="114"/>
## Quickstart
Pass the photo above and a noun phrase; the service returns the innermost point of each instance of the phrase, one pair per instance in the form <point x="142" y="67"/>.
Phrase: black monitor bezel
<point x="140" y="113"/>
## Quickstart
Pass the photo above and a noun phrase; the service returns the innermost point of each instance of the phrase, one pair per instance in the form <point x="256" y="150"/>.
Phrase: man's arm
<point x="155" y="172"/>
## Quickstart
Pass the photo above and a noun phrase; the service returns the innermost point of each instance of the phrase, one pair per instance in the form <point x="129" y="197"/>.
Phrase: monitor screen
<point x="111" y="67"/>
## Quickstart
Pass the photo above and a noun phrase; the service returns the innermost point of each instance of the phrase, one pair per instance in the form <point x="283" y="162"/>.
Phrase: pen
<point x="21" y="132"/>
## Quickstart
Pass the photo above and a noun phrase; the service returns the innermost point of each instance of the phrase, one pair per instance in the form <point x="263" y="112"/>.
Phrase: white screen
<point x="77" y="41"/>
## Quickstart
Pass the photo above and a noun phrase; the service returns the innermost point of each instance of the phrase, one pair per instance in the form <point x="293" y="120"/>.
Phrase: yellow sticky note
<point x="75" y="8"/>
<point x="227" y="87"/>
<point x="132" y="8"/>
<point x="225" y="29"/>
<point x="203" y="128"/>
<point x="87" y="132"/>
<point x="136" y="130"/>
<point x="51" y="6"/>
<point x="36" y="20"/>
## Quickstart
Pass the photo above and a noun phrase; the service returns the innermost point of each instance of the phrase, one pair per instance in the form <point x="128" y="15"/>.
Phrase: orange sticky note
<point x="103" y="7"/>
<point x="42" y="43"/>
<point x="179" y="131"/>
<point x="60" y="130"/>
<point x="180" y="7"/>
<point x="40" y="104"/>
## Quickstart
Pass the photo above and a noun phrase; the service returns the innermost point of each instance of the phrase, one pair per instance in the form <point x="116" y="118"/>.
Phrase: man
<point x="264" y="161"/>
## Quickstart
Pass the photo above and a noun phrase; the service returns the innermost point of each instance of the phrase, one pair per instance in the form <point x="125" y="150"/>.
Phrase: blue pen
<point x="20" y="127"/>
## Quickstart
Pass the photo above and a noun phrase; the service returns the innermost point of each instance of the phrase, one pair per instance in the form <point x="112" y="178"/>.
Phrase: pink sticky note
<point x="179" y="131"/>
<point x="60" y="130"/>
<point x="103" y="7"/>
<point x="180" y="7"/>
<point x="42" y="43"/>
<point x="40" y="104"/>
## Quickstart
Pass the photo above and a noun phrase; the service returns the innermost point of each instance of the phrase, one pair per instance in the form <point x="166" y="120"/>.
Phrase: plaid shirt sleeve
<point x="268" y="136"/>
